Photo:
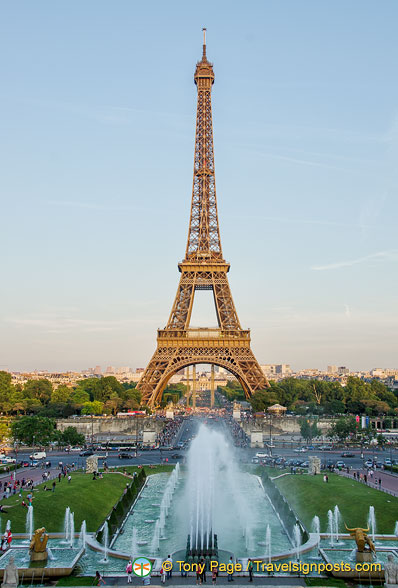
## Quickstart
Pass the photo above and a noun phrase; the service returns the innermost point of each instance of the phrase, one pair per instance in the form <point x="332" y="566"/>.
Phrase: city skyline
<point x="98" y="150"/>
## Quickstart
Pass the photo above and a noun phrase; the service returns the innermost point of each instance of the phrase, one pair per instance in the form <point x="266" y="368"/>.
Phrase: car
<point x="340" y="464"/>
<point x="300" y="450"/>
<point x="125" y="455"/>
<point x="326" y="448"/>
<point x="305" y="464"/>
<point x="38" y="455"/>
<point x="255" y="460"/>
<point x="86" y="453"/>
<point x="261" y="454"/>
<point x="176" y="456"/>
<point x="25" y="464"/>
<point x="347" y="454"/>
<point x="368" y="463"/>
<point x="75" y="449"/>
<point x="8" y="460"/>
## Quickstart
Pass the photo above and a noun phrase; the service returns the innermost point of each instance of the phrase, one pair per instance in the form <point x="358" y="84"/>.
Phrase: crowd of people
<point x="170" y="430"/>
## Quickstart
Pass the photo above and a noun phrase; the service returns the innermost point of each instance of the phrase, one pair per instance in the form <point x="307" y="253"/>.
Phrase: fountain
<point x="337" y="518"/>
<point x="83" y="535"/>
<point x="156" y="538"/>
<point x="297" y="540"/>
<point x="29" y="523"/>
<point x="316" y="528"/>
<point x="213" y="493"/>
<point x="372" y="522"/>
<point x="268" y="543"/>
<point x="105" y="542"/>
<point x="331" y="526"/>
<point x="66" y="524"/>
<point x="72" y="529"/>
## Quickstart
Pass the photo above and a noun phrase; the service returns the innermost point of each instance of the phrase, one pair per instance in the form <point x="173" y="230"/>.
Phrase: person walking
<point x="203" y="572"/>
<point x="54" y="484"/>
<point x="250" y="569"/>
<point x="98" y="580"/>
<point x="162" y="575"/>
<point x="230" y="569"/>
<point x="214" y="574"/>
<point x="129" y="571"/>
<point x="170" y="570"/>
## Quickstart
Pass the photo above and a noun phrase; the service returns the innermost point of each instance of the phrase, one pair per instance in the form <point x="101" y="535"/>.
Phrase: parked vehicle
<point x="347" y="454"/>
<point x="125" y="456"/>
<point x="86" y="453"/>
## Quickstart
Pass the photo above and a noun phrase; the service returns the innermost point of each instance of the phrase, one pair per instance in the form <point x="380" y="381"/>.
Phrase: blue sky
<point x="97" y="130"/>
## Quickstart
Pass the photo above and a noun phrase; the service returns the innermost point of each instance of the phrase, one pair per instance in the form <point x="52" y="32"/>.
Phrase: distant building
<point x="342" y="370"/>
<point x="332" y="369"/>
<point x="277" y="369"/>
<point x="97" y="370"/>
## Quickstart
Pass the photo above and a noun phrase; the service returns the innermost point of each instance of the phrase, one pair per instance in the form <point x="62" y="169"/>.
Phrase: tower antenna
<point x="204" y="41"/>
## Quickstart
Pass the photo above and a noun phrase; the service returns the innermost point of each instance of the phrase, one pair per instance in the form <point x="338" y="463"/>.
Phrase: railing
<point x="204" y="334"/>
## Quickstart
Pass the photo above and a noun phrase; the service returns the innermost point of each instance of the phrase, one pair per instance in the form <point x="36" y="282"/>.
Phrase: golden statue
<point x="362" y="539"/>
<point x="38" y="545"/>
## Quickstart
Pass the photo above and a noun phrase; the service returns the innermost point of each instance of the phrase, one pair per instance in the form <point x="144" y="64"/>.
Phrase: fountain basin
<point x="62" y="564"/>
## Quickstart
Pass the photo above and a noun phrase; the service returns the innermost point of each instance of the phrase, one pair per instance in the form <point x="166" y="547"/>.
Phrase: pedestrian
<point x="203" y="572"/>
<point x="170" y="570"/>
<point x="59" y="476"/>
<point x="162" y="575"/>
<point x="54" y="484"/>
<point x="214" y="575"/>
<point x="250" y="569"/>
<point x="379" y="483"/>
<point x="69" y="479"/>
<point x="129" y="570"/>
<point x="230" y="569"/>
<point x="327" y="479"/>
<point x="98" y="580"/>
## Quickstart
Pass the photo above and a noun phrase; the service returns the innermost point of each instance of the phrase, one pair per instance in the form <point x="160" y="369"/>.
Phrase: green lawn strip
<point x="337" y="582"/>
<point x="76" y="581"/>
<point x="157" y="469"/>
<point x="89" y="499"/>
<point x="310" y="495"/>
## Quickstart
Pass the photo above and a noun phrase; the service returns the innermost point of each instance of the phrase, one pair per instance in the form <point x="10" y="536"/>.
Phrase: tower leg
<point x="188" y="386"/>
<point x="212" y="387"/>
<point x="194" y="386"/>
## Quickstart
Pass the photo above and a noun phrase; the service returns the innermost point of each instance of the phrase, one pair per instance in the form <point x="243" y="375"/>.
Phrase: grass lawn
<point x="336" y="582"/>
<point x="76" y="581"/>
<point x="88" y="499"/>
<point x="310" y="495"/>
<point x="157" y="469"/>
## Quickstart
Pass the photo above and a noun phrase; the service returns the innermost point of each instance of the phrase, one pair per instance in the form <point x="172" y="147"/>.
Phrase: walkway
<point x="389" y="482"/>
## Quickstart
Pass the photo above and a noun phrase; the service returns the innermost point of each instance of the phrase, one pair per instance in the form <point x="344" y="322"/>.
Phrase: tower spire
<point x="203" y="235"/>
<point x="204" y="58"/>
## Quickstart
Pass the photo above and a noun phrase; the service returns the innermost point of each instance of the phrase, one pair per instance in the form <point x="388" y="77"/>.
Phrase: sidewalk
<point x="389" y="482"/>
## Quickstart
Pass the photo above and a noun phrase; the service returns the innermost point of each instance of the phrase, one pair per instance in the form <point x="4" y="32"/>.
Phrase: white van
<point x="38" y="455"/>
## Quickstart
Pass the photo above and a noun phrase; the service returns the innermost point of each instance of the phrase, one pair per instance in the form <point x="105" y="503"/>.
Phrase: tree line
<point x="321" y="397"/>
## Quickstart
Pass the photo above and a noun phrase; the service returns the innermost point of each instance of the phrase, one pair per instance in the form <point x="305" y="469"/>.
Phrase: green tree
<point x="343" y="428"/>
<point x="80" y="397"/>
<point x="94" y="407"/>
<point x="71" y="436"/>
<point x="6" y="389"/>
<point x="33" y="430"/>
<point x="61" y="395"/>
<point x="38" y="389"/>
<point x="262" y="399"/>
<point x="308" y="429"/>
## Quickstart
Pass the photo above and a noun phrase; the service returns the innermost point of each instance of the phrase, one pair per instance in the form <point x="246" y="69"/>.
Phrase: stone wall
<point x="111" y="425"/>
<point x="287" y="425"/>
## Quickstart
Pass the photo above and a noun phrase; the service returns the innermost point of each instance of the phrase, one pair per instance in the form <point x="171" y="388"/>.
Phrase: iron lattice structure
<point x="203" y="268"/>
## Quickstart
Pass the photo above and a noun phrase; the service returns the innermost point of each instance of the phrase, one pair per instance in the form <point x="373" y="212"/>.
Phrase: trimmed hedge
<point x="122" y="507"/>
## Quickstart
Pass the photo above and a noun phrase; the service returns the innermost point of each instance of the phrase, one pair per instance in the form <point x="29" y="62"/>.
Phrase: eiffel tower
<point x="203" y="268"/>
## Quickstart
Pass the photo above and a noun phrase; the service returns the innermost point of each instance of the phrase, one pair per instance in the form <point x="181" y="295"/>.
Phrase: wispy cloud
<point x="58" y="324"/>
<point x="390" y="255"/>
